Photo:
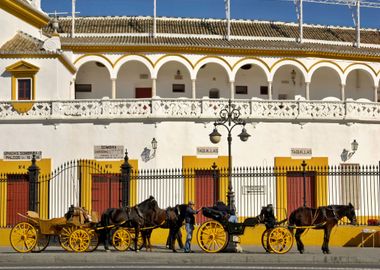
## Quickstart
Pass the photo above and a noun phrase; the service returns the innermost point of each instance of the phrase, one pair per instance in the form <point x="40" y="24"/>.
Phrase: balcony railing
<point x="174" y="109"/>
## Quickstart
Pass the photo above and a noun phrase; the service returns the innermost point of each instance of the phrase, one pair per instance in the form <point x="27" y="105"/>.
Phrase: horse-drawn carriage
<point x="214" y="235"/>
<point x="34" y="233"/>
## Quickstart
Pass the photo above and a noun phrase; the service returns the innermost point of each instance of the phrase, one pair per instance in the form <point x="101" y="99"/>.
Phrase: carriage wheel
<point x="121" y="239"/>
<point x="42" y="242"/>
<point x="94" y="242"/>
<point x="280" y="240"/>
<point x="64" y="237"/>
<point x="264" y="240"/>
<point x="23" y="237"/>
<point x="212" y="237"/>
<point x="140" y="240"/>
<point x="79" y="240"/>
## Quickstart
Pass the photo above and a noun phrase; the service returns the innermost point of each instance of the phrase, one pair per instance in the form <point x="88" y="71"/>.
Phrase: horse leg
<point x="137" y="232"/>
<point x="172" y="236"/>
<point x="326" y="239"/>
<point x="300" y="245"/>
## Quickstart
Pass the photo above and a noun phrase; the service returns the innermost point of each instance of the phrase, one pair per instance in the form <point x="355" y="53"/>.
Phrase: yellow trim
<point x="225" y="51"/>
<point x="98" y="55"/>
<point x="173" y="54"/>
<point x="68" y="65"/>
<point x="359" y="64"/>
<point x="140" y="55"/>
<point x="251" y="58"/>
<point x="106" y="167"/>
<point x="288" y="59"/>
<point x="189" y="163"/>
<point x="22" y="69"/>
<point x="285" y="164"/>
<point x="211" y="57"/>
<point x="25" y="12"/>
<point x="325" y="61"/>
<point x="21" y="167"/>
<point x="22" y="107"/>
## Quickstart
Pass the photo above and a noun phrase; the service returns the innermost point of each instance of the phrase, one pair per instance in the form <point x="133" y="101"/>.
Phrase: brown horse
<point x="322" y="218"/>
<point x="145" y="214"/>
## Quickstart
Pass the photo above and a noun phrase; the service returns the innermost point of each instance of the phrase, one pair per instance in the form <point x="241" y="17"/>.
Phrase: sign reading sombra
<point x="108" y="152"/>
<point x="22" y="155"/>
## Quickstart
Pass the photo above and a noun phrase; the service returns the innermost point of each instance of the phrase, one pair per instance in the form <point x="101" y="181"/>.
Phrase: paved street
<point x="253" y="257"/>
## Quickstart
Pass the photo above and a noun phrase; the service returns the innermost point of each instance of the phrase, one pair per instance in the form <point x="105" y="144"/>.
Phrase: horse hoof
<point x="301" y="251"/>
<point x="107" y="250"/>
<point x="174" y="250"/>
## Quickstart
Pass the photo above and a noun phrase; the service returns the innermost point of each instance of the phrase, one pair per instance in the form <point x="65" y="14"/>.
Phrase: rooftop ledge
<point x="203" y="110"/>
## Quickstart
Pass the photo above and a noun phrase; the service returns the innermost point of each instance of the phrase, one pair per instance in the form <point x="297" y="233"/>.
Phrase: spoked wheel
<point x="94" y="242"/>
<point x="121" y="239"/>
<point x="79" y="240"/>
<point x="212" y="237"/>
<point x="23" y="237"/>
<point x="140" y="240"/>
<point x="42" y="242"/>
<point x="280" y="240"/>
<point x="64" y="237"/>
<point x="264" y="240"/>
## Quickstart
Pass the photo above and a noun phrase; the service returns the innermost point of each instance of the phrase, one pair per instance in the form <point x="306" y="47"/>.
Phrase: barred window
<point x="350" y="184"/>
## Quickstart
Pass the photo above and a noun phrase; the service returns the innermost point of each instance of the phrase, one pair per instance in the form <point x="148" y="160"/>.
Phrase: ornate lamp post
<point x="229" y="118"/>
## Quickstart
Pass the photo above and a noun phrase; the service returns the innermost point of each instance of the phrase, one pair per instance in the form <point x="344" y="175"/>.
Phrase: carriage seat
<point x="214" y="214"/>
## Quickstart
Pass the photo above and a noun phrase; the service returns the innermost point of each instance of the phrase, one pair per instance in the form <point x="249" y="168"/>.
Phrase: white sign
<point x="253" y="190"/>
<point x="207" y="150"/>
<point x="22" y="155"/>
<point x="301" y="152"/>
<point x="108" y="152"/>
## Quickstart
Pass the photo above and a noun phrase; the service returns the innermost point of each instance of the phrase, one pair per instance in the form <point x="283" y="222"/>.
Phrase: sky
<point x="268" y="10"/>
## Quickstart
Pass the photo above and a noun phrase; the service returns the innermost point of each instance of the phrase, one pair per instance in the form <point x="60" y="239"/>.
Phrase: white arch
<point x="173" y="58"/>
<point x="95" y="58"/>
<point x="215" y="60"/>
<point x="252" y="62"/>
<point x="288" y="62"/>
<point x="127" y="58"/>
<point x="360" y="67"/>
<point x="328" y="65"/>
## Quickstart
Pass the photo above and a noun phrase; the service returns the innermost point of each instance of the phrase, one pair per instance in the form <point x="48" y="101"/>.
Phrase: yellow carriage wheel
<point x="212" y="237"/>
<point x="264" y="240"/>
<point x="79" y="240"/>
<point x="94" y="242"/>
<point x="23" y="237"/>
<point x="121" y="239"/>
<point x="280" y="240"/>
<point x="42" y="241"/>
<point x="64" y="237"/>
<point x="140" y="240"/>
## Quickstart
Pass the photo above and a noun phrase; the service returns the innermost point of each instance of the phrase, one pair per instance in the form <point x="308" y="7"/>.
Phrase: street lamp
<point x="229" y="118"/>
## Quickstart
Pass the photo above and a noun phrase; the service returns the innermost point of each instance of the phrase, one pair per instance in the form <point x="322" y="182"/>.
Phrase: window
<point x="214" y="93"/>
<point x="241" y="89"/>
<point x="178" y="88"/>
<point x="350" y="184"/>
<point x="24" y="89"/>
<point x="263" y="90"/>
<point x="83" y="88"/>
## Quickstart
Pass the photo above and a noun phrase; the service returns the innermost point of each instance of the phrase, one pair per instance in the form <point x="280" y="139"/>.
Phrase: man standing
<point x="189" y="225"/>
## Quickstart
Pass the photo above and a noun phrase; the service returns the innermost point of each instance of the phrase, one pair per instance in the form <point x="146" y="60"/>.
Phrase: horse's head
<point x="350" y="214"/>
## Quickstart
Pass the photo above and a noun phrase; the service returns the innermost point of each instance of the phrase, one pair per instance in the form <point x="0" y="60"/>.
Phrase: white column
<point x="72" y="89"/>
<point x="193" y="89"/>
<point x="113" y="88"/>
<point x="232" y="89"/>
<point x="154" y="90"/>
<point x="307" y="90"/>
<point x="269" y="90"/>
<point x="375" y="92"/>
<point x="342" y="91"/>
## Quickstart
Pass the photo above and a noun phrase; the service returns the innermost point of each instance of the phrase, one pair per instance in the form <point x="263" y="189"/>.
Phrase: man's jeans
<point x="189" y="235"/>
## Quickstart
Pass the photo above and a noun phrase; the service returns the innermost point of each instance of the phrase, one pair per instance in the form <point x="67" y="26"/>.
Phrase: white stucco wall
<point x="11" y="25"/>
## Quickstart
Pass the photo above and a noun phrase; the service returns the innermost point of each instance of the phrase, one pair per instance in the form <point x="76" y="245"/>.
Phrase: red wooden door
<point x="206" y="192"/>
<point x="143" y="92"/>
<point x="295" y="190"/>
<point x="105" y="192"/>
<point x="17" y="198"/>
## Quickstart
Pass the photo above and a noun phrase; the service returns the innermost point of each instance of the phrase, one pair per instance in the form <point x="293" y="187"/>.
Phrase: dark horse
<point x="137" y="217"/>
<point x="322" y="218"/>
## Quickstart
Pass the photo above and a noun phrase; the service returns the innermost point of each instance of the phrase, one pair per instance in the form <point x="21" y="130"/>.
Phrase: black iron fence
<point x="86" y="184"/>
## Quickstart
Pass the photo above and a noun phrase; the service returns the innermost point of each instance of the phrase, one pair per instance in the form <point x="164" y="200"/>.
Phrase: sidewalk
<point x="252" y="255"/>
